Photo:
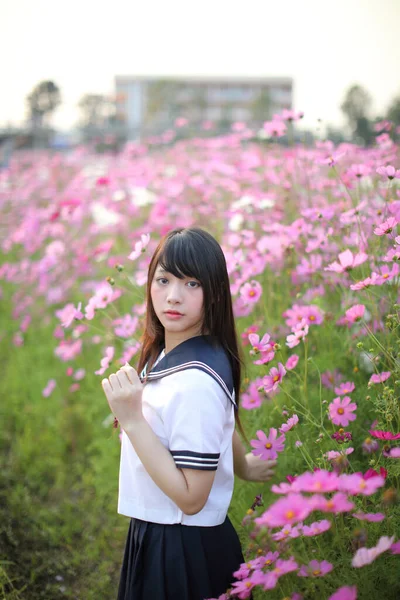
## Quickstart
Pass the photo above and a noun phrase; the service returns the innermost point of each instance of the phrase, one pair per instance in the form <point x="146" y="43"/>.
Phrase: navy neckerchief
<point x="200" y="352"/>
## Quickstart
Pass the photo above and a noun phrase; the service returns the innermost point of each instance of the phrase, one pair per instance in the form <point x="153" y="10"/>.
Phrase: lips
<point x="172" y="312"/>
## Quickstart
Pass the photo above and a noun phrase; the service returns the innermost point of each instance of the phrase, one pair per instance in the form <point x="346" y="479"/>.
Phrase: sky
<point x="82" y="45"/>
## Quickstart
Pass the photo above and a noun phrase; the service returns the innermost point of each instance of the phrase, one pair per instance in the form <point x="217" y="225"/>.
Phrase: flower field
<point x="312" y="248"/>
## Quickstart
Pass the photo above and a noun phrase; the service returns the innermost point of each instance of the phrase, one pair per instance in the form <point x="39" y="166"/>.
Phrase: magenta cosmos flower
<point x="384" y="435"/>
<point x="274" y="378"/>
<point x="341" y="411"/>
<point x="345" y="593"/>
<point x="267" y="447"/>
<point x="380" y="377"/>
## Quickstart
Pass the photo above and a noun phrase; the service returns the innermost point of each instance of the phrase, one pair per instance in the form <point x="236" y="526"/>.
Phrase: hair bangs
<point x="180" y="257"/>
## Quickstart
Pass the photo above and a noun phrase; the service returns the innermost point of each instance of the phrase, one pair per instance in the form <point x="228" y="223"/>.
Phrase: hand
<point x="123" y="391"/>
<point x="259" y="469"/>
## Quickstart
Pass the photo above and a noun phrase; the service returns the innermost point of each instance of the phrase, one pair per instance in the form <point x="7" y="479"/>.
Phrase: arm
<point x="188" y="488"/>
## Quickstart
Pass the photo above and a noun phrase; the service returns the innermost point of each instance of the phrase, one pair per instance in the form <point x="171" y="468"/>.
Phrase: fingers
<point x="115" y="383"/>
<point x="106" y="387"/>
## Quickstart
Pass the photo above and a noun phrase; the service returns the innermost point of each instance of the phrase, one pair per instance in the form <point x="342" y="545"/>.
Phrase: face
<point x="183" y="296"/>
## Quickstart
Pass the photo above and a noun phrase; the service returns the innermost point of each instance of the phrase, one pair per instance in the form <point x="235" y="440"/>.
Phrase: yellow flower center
<point x="276" y="378"/>
<point x="268" y="446"/>
<point x="289" y="514"/>
<point x="340" y="411"/>
<point x="252" y="293"/>
<point x="316" y="572"/>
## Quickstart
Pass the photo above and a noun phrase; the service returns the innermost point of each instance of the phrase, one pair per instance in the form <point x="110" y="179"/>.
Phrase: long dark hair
<point x="193" y="252"/>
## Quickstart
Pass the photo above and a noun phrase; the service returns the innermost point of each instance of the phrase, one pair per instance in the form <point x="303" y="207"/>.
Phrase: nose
<point x="174" y="295"/>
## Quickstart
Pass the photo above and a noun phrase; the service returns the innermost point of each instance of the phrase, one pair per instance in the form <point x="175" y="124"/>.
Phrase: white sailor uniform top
<point x="189" y="402"/>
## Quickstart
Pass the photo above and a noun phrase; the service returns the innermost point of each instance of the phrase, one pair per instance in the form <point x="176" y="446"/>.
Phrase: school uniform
<point x="189" y="402"/>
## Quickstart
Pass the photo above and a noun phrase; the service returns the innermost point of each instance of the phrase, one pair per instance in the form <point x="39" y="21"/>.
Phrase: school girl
<point x="178" y="412"/>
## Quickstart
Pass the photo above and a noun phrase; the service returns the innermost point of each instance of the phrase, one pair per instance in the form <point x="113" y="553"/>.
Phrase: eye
<point x="196" y="284"/>
<point x="162" y="279"/>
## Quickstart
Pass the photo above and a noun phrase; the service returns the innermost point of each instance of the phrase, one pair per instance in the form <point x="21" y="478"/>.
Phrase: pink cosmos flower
<point x="140" y="246"/>
<point x="320" y="481"/>
<point x="300" y="330"/>
<point x="355" y="313"/>
<point x="69" y="313"/>
<point x="105" y="361"/>
<point x="315" y="569"/>
<point x="360" y="170"/>
<point x="250" y="292"/>
<point x="252" y="397"/>
<point x="345" y="388"/>
<point x="266" y="560"/>
<point x="345" y="593"/>
<point x="126" y="326"/>
<point x="337" y="504"/>
<point x="290" y="423"/>
<point x="291" y="362"/>
<point x="287" y="532"/>
<point x="333" y="454"/>
<point x="347" y="262"/>
<point x="274" y="128"/>
<point x="392" y="453"/>
<point x="311" y="314"/>
<point x="268" y="447"/>
<point x="357" y="484"/>
<point x="242" y="589"/>
<point x="245" y="334"/>
<point x="370" y="517"/>
<point x="265" y="347"/>
<point x="51" y="384"/>
<point x="366" y="283"/>
<point x="384" y="435"/>
<point x="258" y="345"/>
<point x="380" y="377"/>
<point x="331" y="378"/>
<point x="281" y="568"/>
<point x="386" y="227"/>
<point x="365" y="556"/>
<point x="316" y="528"/>
<point x="389" y="172"/>
<point x="274" y="378"/>
<point x="286" y="511"/>
<point x="341" y="411"/>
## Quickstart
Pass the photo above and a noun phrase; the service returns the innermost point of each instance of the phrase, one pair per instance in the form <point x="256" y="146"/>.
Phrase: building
<point x="150" y="105"/>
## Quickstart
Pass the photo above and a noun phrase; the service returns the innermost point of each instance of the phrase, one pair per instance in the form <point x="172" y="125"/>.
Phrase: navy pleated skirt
<point x="178" y="562"/>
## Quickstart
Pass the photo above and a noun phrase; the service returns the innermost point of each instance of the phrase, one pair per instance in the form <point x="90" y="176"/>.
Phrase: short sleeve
<point x="194" y="420"/>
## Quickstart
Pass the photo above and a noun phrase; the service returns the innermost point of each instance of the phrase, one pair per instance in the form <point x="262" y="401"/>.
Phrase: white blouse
<point x="194" y="419"/>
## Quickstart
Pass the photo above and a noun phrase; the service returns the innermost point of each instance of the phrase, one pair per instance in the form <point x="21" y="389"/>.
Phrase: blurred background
<point x="84" y="72"/>
<point x="84" y="78"/>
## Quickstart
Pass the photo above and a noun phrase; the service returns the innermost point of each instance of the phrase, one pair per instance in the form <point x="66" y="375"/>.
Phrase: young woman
<point x="179" y="448"/>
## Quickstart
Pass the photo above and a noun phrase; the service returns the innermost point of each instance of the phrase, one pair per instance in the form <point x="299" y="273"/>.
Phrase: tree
<point x="393" y="113"/>
<point x="356" y="106"/>
<point x="97" y="111"/>
<point x="42" y="102"/>
<point x="261" y="107"/>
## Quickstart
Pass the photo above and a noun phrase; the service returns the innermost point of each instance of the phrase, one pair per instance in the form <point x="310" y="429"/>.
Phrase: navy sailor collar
<point x="201" y="352"/>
